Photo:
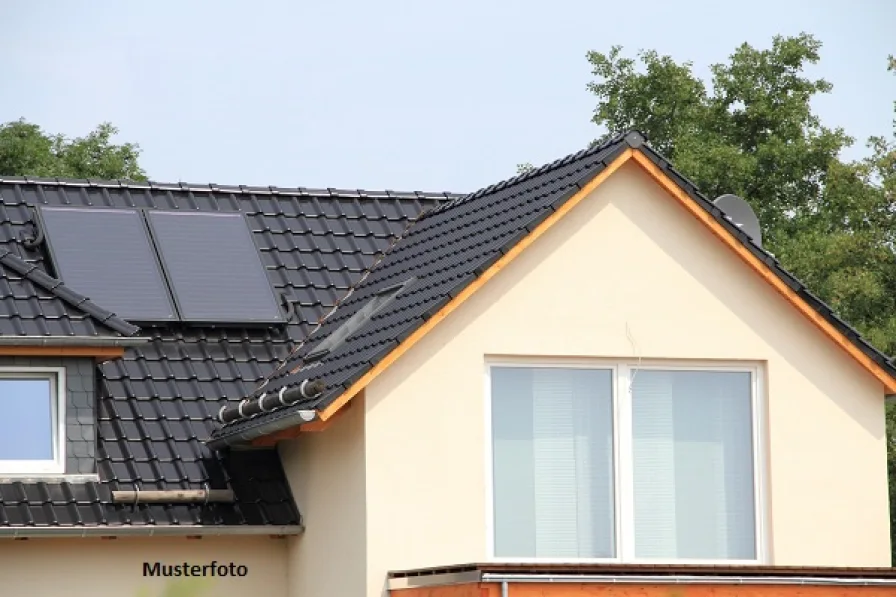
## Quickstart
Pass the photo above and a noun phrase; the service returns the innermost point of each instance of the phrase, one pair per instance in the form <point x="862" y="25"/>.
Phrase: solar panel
<point x="214" y="268"/>
<point x="106" y="255"/>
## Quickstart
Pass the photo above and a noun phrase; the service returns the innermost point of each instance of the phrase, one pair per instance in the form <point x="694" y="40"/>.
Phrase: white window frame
<point x="58" y="392"/>
<point x="622" y="454"/>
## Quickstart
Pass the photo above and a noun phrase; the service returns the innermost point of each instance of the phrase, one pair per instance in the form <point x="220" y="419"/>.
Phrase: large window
<point x="31" y="425"/>
<point x="626" y="463"/>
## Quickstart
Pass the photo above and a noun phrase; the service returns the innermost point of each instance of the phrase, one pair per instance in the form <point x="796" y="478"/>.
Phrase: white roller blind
<point x="693" y="465"/>
<point x="553" y="462"/>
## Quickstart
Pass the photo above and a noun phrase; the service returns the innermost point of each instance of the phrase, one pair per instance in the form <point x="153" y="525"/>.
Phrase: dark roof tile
<point x="158" y="404"/>
<point x="36" y="304"/>
<point x="448" y="248"/>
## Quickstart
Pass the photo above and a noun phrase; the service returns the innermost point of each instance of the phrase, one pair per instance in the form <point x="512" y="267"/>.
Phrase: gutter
<point x="187" y="530"/>
<point x="287" y="421"/>
<point x="475" y="576"/>
<point x="243" y="413"/>
<point x="84" y="341"/>
<point x="248" y="408"/>
<point x="656" y="579"/>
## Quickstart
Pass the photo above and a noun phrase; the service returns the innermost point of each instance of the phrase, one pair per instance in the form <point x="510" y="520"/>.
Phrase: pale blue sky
<point x="390" y="94"/>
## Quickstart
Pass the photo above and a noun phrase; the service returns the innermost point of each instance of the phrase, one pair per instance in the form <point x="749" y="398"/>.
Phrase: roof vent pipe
<point x="307" y="390"/>
<point x="173" y="496"/>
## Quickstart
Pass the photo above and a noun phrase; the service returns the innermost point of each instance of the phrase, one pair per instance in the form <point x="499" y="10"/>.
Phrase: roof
<point x="329" y="253"/>
<point x="453" y="246"/>
<point x="36" y="304"/>
<point x="158" y="404"/>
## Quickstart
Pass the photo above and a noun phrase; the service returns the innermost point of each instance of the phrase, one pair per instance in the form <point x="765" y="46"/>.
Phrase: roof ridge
<point x="252" y="404"/>
<point x="232" y="189"/>
<point x="450" y="262"/>
<point x="596" y="147"/>
<point x="55" y="287"/>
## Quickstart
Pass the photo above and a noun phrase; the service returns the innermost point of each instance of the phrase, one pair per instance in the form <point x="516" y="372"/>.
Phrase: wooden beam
<point x="475" y="285"/>
<point x="268" y="441"/>
<point x="321" y="424"/>
<point x="100" y="353"/>
<point x="765" y="271"/>
<point x="293" y="432"/>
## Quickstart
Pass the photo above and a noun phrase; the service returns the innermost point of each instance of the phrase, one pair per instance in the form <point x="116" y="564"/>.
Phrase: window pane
<point x="26" y="430"/>
<point x="693" y="465"/>
<point x="553" y="462"/>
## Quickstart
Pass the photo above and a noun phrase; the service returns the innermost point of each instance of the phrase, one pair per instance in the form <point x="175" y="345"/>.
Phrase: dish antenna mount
<point x="743" y="216"/>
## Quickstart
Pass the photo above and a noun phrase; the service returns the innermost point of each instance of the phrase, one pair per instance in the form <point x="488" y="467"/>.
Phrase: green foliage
<point x="752" y="132"/>
<point x="26" y="150"/>
<point x="183" y="587"/>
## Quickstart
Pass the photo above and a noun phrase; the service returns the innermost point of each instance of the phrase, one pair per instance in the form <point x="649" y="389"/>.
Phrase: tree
<point x="752" y="132"/>
<point x="26" y="150"/>
<point x="754" y="135"/>
<point x="183" y="587"/>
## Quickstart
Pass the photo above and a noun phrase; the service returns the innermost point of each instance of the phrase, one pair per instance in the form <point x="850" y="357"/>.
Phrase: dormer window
<point x="32" y="428"/>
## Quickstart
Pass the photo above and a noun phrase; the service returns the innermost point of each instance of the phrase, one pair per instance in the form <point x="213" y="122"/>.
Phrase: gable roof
<point x="453" y="249"/>
<point x="36" y="304"/>
<point x="157" y="404"/>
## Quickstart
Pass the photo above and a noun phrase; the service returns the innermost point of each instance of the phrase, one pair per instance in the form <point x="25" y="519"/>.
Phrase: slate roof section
<point x="33" y="303"/>
<point x="158" y="404"/>
<point x="448" y="248"/>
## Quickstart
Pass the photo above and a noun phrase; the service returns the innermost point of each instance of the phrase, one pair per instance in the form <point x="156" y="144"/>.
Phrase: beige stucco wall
<point x="326" y="473"/>
<point x="114" y="568"/>
<point x="628" y="257"/>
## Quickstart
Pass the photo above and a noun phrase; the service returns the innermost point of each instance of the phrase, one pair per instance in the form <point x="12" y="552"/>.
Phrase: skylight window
<point x="32" y="439"/>
<point x="357" y="321"/>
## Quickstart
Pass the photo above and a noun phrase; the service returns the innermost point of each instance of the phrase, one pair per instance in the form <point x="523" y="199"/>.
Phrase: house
<point x="587" y="379"/>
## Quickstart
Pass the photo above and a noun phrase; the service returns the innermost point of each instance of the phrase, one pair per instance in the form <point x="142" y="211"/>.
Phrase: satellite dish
<point x="740" y="212"/>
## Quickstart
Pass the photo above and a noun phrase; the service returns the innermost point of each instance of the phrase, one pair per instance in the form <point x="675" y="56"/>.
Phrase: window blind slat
<point x="693" y="465"/>
<point x="556" y="423"/>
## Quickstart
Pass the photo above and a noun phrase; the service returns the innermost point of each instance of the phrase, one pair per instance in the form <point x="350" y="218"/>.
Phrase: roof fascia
<point x="675" y="190"/>
<point x="589" y="187"/>
<point x="99" y="353"/>
<point x="633" y="153"/>
<point x="100" y="348"/>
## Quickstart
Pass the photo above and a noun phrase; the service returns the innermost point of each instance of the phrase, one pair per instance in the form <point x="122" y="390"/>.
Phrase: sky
<point x="399" y="95"/>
